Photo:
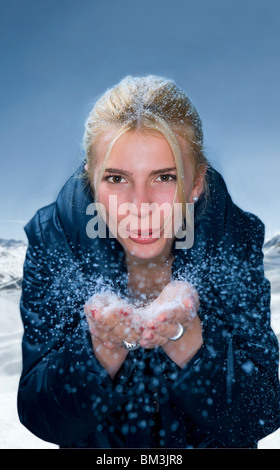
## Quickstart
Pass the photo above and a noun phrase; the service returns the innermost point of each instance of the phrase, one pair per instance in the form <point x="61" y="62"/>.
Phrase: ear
<point x="86" y="167"/>
<point x="199" y="182"/>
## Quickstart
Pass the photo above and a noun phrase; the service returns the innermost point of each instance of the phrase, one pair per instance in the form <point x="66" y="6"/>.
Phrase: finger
<point x="152" y="323"/>
<point x="108" y="339"/>
<point x="96" y="303"/>
<point x="113" y="316"/>
<point x="166" y="330"/>
<point x="93" y="313"/>
<point x="151" y="340"/>
<point x="147" y="339"/>
<point x="127" y="332"/>
<point x="191" y="300"/>
<point x="94" y="326"/>
<point x="112" y="343"/>
<point x="184" y="312"/>
<point x="169" y="313"/>
<point x="108" y="342"/>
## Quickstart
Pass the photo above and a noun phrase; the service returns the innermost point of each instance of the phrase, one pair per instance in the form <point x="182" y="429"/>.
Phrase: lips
<point x="144" y="233"/>
<point x="144" y="236"/>
<point x="141" y="233"/>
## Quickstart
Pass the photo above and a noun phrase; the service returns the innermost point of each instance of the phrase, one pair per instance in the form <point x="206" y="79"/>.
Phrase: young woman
<point x="131" y="340"/>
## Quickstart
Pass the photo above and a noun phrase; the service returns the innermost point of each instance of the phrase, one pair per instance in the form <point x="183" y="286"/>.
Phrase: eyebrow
<point x="127" y="173"/>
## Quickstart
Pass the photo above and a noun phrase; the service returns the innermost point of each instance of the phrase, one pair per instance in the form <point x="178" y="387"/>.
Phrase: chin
<point x="147" y="252"/>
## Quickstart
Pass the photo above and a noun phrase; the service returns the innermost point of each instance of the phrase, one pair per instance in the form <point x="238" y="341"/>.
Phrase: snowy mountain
<point x="274" y="243"/>
<point x="272" y="263"/>
<point x="12" y="253"/>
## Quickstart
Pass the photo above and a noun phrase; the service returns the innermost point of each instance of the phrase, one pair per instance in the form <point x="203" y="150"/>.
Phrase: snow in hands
<point x="177" y="295"/>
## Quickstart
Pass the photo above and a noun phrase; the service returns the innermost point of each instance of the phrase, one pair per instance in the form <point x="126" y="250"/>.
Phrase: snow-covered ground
<point x="12" y="434"/>
<point x="272" y="270"/>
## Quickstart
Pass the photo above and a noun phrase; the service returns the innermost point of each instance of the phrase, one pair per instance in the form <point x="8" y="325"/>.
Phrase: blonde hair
<point x="152" y="104"/>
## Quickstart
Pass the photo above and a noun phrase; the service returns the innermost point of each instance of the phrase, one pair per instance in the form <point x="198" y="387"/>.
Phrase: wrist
<point x="184" y="349"/>
<point x="110" y="358"/>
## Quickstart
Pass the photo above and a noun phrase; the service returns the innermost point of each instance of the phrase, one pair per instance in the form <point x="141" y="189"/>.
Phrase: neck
<point x="159" y="262"/>
<point x="147" y="278"/>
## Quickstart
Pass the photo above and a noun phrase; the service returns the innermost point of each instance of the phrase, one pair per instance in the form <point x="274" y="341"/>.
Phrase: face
<point x="139" y="179"/>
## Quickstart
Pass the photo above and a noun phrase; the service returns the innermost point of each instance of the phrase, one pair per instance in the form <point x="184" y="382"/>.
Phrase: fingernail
<point x="124" y="313"/>
<point x="148" y="336"/>
<point x="93" y="312"/>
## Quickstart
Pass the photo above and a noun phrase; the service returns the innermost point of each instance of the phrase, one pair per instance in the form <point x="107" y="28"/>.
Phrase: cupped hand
<point x="111" y="321"/>
<point x="177" y="303"/>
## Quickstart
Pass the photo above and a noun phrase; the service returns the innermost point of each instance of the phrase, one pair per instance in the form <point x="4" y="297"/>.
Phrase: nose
<point x="137" y="207"/>
<point x="141" y="199"/>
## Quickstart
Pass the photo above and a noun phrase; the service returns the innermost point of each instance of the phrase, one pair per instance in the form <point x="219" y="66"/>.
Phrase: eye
<point x="166" y="178"/>
<point x="114" y="179"/>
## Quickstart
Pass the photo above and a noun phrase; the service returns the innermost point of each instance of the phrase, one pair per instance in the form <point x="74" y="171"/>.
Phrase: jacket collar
<point x="215" y="216"/>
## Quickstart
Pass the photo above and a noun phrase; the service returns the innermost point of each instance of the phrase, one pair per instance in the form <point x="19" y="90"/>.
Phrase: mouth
<point x="144" y="236"/>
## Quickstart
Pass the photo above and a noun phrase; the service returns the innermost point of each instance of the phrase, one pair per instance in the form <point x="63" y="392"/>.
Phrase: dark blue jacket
<point x="226" y="396"/>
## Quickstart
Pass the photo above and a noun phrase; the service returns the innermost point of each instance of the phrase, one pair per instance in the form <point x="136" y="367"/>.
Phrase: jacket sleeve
<point x="63" y="392"/>
<point x="231" y="387"/>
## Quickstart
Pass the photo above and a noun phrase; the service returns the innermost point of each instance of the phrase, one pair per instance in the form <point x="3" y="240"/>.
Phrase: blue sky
<point x="58" y="56"/>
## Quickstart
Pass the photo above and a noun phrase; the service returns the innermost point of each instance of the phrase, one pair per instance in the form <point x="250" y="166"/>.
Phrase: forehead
<point x="142" y="149"/>
<point x="136" y="145"/>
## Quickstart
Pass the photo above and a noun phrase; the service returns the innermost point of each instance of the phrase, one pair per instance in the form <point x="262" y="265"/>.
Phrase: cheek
<point x="112" y="203"/>
<point x="103" y="198"/>
<point x="109" y="199"/>
<point x="164" y="193"/>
